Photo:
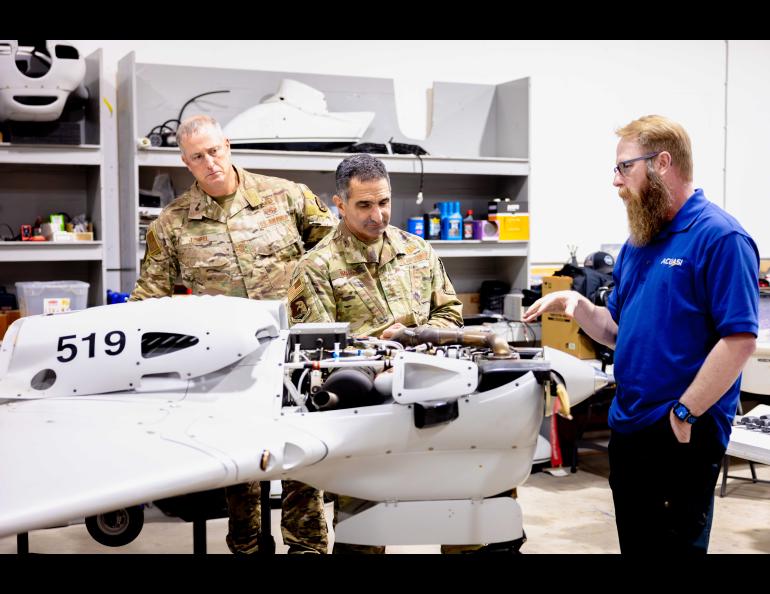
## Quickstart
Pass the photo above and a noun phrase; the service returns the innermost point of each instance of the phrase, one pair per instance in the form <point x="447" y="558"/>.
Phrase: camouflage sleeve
<point x="160" y="266"/>
<point x="314" y="219"/>
<point x="446" y="310"/>
<point x="310" y="297"/>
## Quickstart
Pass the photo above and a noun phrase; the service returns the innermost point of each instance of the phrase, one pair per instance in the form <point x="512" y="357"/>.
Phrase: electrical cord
<point x="178" y="119"/>
<point x="13" y="235"/>
<point x="161" y="127"/>
<point x="531" y="331"/>
<point x="409" y="149"/>
<point x="526" y="326"/>
<point x="181" y="111"/>
<point x="422" y="177"/>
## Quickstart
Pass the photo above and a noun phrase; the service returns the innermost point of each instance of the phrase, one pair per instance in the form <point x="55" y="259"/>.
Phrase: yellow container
<point x="513" y="227"/>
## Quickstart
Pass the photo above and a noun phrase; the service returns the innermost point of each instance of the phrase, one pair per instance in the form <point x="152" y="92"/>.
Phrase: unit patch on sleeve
<point x="311" y="198"/>
<point x="153" y="245"/>
<point x="299" y="310"/>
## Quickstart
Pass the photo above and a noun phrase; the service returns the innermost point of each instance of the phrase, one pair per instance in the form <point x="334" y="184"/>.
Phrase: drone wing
<point x="100" y="412"/>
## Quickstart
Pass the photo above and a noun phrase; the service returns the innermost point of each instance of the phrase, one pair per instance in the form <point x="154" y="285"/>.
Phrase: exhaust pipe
<point x="466" y="337"/>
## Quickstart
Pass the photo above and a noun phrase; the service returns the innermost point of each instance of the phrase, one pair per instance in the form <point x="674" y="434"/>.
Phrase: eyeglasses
<point x="625" y="166"/>
<point x="213" y="152"/>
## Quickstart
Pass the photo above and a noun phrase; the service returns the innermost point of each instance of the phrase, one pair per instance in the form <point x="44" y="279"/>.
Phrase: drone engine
<point x="328" y="369"/>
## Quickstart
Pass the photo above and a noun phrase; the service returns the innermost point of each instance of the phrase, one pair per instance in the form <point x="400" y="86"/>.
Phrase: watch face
<point x="680" y="410"/>
<point x="683" y="413"/>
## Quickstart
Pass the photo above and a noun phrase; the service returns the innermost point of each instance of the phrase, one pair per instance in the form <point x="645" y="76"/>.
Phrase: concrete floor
<point x="570" y="514"/>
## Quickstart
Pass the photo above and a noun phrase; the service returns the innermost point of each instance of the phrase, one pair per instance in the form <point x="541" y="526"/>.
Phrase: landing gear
<point x="510" y="547"/>
<point x="116" y="528"/>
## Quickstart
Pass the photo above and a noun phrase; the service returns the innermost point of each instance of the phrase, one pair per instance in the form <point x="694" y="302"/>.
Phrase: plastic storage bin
<point x="51" y="296"/>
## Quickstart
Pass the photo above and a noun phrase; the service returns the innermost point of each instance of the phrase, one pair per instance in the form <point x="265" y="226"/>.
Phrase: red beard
<point x="647" y="209"/>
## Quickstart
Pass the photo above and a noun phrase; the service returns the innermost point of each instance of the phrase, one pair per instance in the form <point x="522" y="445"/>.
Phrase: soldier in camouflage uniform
<point x="369" y="273"/>
<point x="241" y="234"/>
<point x="375" y="276"/>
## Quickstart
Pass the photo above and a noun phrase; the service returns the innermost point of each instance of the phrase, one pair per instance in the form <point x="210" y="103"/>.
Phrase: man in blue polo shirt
<point x="683" y="322"/>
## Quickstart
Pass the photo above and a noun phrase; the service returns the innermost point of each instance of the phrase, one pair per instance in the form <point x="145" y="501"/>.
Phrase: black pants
<point x="664" y="490"/>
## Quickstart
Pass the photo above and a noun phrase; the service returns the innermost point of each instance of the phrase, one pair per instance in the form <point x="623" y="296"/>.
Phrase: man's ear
<point x="340" y="204"/>
<point x="664" y="161"/>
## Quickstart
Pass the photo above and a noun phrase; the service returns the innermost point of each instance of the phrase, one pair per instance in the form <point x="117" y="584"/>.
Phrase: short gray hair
<point x="193" y="124"/>
<point x="364" y="167"/>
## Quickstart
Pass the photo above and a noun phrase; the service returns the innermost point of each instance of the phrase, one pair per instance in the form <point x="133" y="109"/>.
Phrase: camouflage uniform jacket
<point x="334" y="283"/>
<point x="250" y="253"/>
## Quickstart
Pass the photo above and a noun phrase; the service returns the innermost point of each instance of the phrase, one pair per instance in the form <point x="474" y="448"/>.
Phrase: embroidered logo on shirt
<point x="412" y="258"/>
<point x="672" y="261"/>
<point x="342" y="273"/>
<point x="270" y="221"/>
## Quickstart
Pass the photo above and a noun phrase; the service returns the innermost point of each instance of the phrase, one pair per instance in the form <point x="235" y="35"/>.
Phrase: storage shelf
<point x="50" y="251"/>
<point x="48" y="154"/>
<point x="48" y="177"/>
<point x="483" y="128"/>
<point x="316" y="161"/>
<point x="475" y="248"/>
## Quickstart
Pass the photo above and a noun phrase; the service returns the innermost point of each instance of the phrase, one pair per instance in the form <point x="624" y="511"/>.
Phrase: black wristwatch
<point x="683" y="413"/>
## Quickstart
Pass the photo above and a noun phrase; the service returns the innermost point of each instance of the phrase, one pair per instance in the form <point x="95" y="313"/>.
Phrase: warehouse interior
<point x="503" y="158"/>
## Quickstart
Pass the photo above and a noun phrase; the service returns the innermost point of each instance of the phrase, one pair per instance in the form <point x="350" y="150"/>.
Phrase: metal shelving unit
<point x="39" y="179"/>
<point x="478" y="150"/>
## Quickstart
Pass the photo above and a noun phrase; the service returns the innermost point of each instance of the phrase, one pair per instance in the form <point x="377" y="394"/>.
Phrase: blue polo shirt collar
<point x="686" y="216"/>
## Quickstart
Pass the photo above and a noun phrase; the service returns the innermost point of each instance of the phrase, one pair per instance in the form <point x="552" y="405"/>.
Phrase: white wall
<point x="581" y="91"/>
<point x="748" y="138"/>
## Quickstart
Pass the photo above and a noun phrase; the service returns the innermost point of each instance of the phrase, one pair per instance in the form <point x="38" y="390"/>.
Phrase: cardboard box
<point x="471" y="302"/>
<point x="7" y="317"/>
<point x="560" y="331"/>
<point x="556" y="283"/>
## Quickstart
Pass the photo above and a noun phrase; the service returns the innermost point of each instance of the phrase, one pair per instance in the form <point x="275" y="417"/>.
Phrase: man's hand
<point x="559" y="302"/>
<point x="682" y="431"/>
<point x="391" y="330"/>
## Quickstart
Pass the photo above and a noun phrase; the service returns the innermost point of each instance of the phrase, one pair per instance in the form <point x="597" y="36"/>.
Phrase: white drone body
<point x="117" y="405"/>
<point x="35" y="82"/>
<point x="296" y="113"/>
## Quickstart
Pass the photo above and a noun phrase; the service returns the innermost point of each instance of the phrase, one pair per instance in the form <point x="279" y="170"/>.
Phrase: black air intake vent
<point x="155" y="344"/>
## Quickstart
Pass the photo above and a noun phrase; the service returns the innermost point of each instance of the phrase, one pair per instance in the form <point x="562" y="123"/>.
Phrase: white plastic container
<point x="51" y="296"/>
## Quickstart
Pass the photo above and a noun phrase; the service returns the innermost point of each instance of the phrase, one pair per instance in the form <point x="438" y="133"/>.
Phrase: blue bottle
<point x="452" y="224"/>
<point x="442" y="207"/>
